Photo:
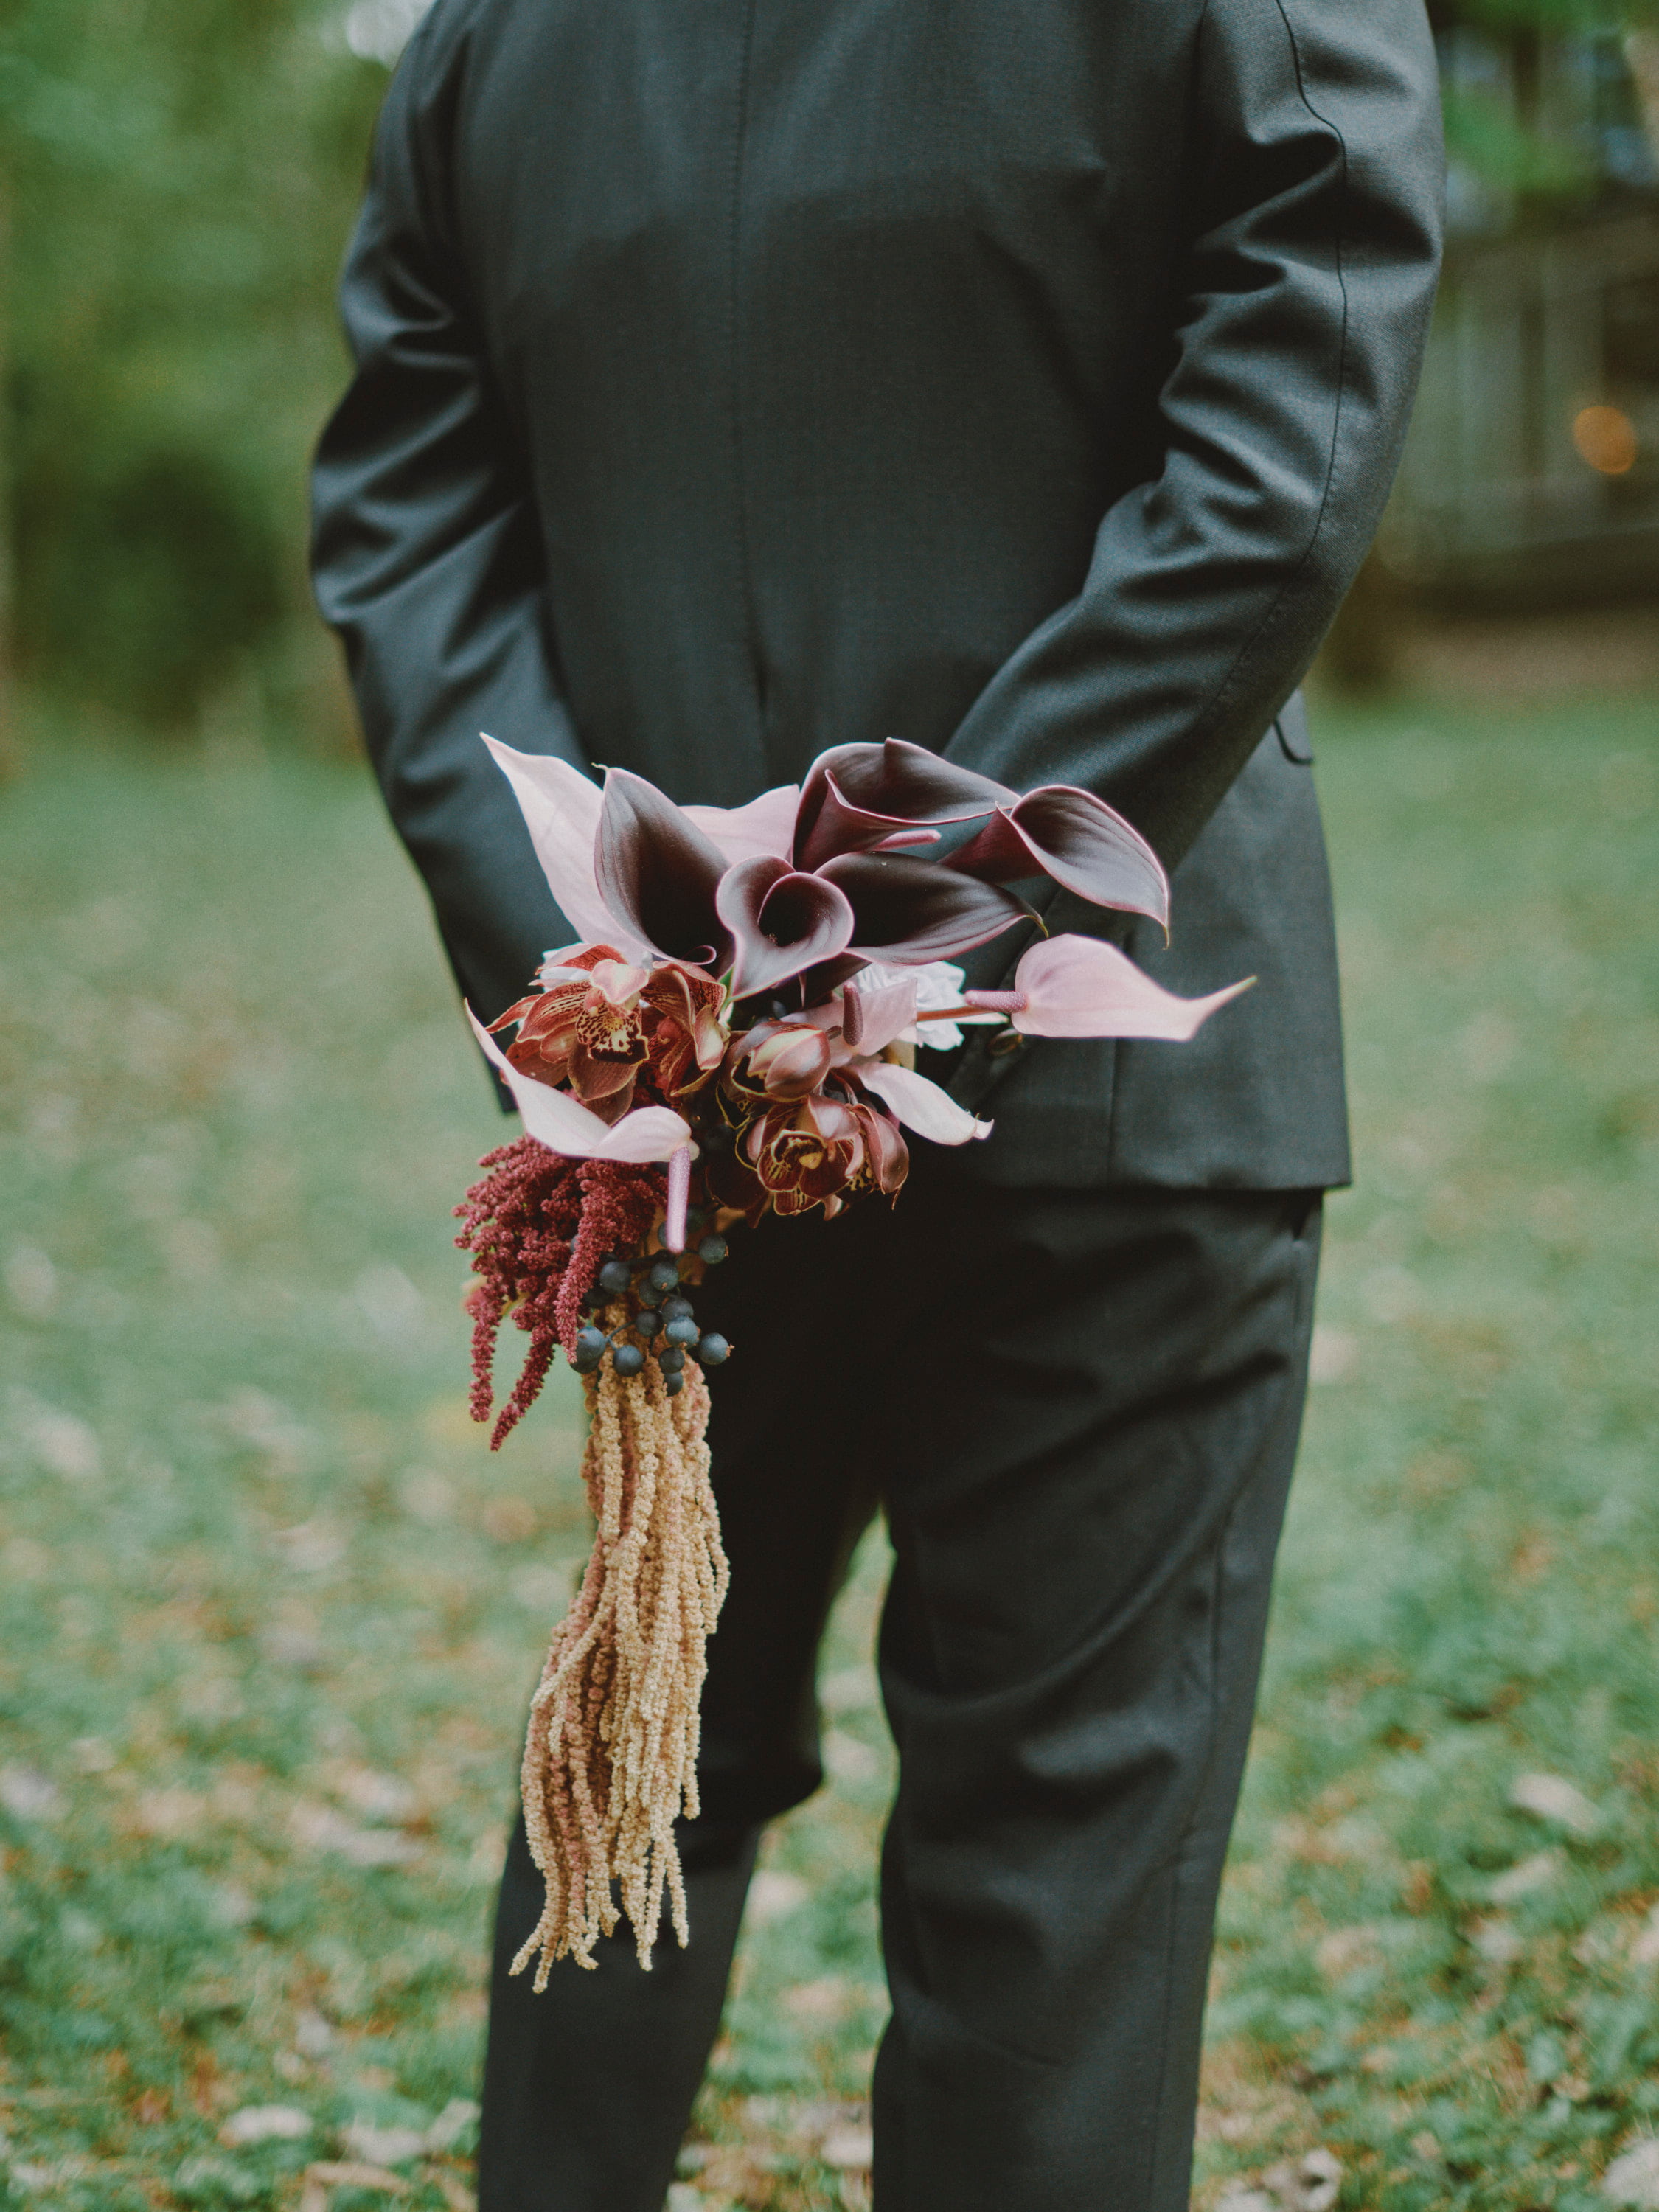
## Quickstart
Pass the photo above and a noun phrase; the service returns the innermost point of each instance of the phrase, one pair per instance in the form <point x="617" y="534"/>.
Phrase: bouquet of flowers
<point x="734" y="1033"/>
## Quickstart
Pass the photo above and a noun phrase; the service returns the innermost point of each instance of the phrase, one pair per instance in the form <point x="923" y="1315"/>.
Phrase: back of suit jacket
<point x="1022" y="378"/>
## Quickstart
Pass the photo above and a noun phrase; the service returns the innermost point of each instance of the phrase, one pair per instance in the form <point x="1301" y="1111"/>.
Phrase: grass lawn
<point x="269" y="1611"/>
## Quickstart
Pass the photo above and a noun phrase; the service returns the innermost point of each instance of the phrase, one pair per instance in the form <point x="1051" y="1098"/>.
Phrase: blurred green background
<point x="177" y="180"/>
<point x="269" y="1611"/>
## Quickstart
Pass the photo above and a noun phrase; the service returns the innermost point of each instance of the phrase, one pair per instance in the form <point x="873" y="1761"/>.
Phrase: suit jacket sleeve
<point x="426" y="554"/>
<point x="1316" y="180"/>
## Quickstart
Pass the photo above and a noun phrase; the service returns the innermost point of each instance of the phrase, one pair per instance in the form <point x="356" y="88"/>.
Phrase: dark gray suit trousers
<point x="1078" y="1410"/>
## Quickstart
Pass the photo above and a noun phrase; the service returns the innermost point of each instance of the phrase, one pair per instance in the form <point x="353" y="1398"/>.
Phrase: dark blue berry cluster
<point x="661" y="1323"/>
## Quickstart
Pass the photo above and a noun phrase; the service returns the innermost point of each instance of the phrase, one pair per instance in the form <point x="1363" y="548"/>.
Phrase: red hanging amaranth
<point x="537" y="1226"/>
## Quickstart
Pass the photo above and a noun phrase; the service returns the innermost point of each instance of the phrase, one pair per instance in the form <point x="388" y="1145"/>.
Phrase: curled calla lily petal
<point x="557" y="1120"/>
<point x="870" y="1018"/>
<point x="919" y="1105"/>
<point x="858" y="796"/>
<point x="560" y="809"/>
<point x="909" y="911"/>
<point x="1073" y="837"/>
<point x="1078" y="986"/>
<point x="781" y="921"/>
<point x="659" y="874"/>
<point x="767" y="824"/>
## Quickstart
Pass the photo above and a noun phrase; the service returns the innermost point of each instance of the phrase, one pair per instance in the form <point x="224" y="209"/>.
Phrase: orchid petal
<point x="781" y="920"/>
<point x="560" y="809"/>
<point x="660" y="872"/>
<point x="856" y="796"/>
<point x="564" y="1126"/>
<point x="1077" y="987"/>
<point x="909" y="911"/>
<point x="788" y="1059"/>
<point x="1084" y="845"/>
<point x="870" y="1019"/>
<point x="919" y="1105"/>
<point x="766" y="824"/>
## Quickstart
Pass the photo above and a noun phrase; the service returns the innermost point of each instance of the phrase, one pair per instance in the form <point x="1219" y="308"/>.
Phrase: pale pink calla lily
<point x="919" y="1105"/>
<point x="561" y="808"/>
<point x="766" y="827"/>
<point x="1079" y="987"/>
<point x="557" y="1120"/>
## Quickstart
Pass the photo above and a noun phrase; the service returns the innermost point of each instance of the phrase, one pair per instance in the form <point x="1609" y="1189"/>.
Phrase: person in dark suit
<point x="1024" y="378"/>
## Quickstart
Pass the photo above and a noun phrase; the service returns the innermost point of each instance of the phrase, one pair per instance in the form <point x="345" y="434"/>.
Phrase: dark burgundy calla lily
<point x="781" y="922"/>
<point x="910" y="910"/>
<point x="858" y="797"/>
<point x="659" y="874"/>
<point x="1073" y="837"/>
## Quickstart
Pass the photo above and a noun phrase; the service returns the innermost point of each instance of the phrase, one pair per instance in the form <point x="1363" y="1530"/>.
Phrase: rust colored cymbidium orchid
<point x="813" y="1152"/>
<point x="582" y="1031"/>
<point x="685" y="1033"/>
<point x="601" y="1022"/>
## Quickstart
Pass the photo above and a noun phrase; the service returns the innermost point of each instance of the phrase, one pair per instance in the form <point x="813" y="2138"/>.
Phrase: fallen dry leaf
<point x="1552" y="1797"/>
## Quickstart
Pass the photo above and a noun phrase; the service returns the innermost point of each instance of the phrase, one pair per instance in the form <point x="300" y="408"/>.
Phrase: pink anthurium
<point x="1079" y="842"/>
<point x="557" y="1120"/>
<point x="1078" y="986"/>
<point x="871" y="1018"/>
<point x="781" y="922"/>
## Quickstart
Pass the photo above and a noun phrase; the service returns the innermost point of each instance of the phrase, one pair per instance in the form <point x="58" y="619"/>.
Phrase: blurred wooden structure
<point x="1532" y="472"/>
<point x="1531" y="477"/>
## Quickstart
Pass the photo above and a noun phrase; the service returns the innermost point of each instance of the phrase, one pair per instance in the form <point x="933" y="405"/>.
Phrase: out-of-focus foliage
<point x="1549" y="102"/>
<point x="177" y="179"/>
<point x="1587" y="15"/>
<point x="180" y="176"/>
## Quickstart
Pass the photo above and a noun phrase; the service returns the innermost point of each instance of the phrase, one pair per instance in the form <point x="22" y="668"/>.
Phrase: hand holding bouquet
<point x="734" y="1033"/>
